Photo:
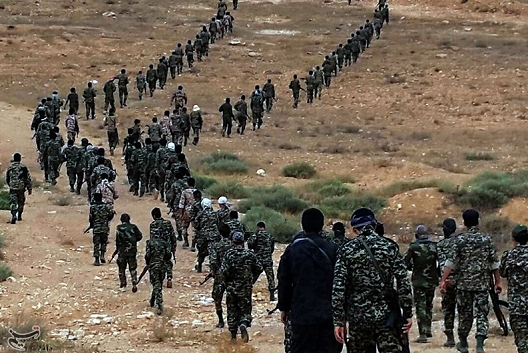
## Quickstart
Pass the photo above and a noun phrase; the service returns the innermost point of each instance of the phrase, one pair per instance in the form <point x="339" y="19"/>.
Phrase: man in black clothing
<point x="306" y="273"/>
<point x="227" y="117"/>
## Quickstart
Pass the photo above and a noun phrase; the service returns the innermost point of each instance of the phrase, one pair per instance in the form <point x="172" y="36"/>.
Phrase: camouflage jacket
<point x="263" y="245"/>
<point x="141" y="81"/>
<point x="109" y="88"/>
<point x="514" y="267"/>
<point x="72" y="126"/>
<point x="474" y="257"/>
<point x="139" y="159"/>
<point x="97" y="172"/>
<point x="222" y="216"/>
<point x="72" y="155"/>
<point x="218" y="253"/>
<point x="52" y="151"/>
<point x="89" y="94"/>
<point x="422" y="259"/>
<point x="175" y="194"/>
<point x="152" y="75"/>
<point x="157" y="254"/>
<point x="339" y="239"/>
<point x="151" y="159"/>
<point x="358" y="293"/>
<point x="100" y="215"/>
<point x="207" y="223"/>
<point x="155" y="132"/>
<point x="236" y="226"/>
<point x="18" y="177"/>
<point x="122" y="80"/>
<point x="443" y="248"/>
<point x="187" y="200"/>
<point x="161" y="158"/>
<point x="162" y="228"/>
<point x="196" y="120"/>
<point x="239" y="268"/>
<point x="108" y="190"/>
<point x="127" y="237"/>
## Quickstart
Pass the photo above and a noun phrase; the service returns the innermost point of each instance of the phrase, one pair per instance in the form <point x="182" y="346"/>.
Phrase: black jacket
<point x="306" y="278"/>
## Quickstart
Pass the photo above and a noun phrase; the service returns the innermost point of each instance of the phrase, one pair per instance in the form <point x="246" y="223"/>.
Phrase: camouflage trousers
<point x="72" y="176"/>
<point x="162" y="80"/>
<point x="238" y="308"/>
<point x="113" y="139"/>
<point x="296" y="95"/>
<point x="156" y="279"/>
<point x="519" y="326"/>
<point x="123" y="95"/>
<point x="270" y="275"/>
<point x="169" y="266"/>
<point x="423" y="302"/>
<point x="288" y="337"/>
<point x="71" y="135"/>
<point x="185" y="223"/>
<point x="17" y="200"/>
<point x="53" y="169"/>
<point x="218" y="292"/>
<point x="152" y="180"/>
<point x="139" y="177"/>
<point x="99" y="242"/>
<point x="122" y="263"/>
<point x="448" y="309"/>
<point x="109" y="103"/>
<point x="467" y="303"/>
<point x="309" y="94"/>
<point x="202" y="249"/>
<point x="364" y="339"/>
<point x="257" y="119"/>
<point x="161" y="183"/>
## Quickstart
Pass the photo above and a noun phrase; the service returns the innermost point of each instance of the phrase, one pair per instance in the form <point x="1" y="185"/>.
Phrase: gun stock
<point x="113" y="255"/>
<point x="207" y="278"/>
<point x="145" y="269"/>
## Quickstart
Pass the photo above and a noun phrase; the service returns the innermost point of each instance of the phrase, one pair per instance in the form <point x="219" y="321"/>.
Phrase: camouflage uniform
<point x="89" y="101"/>
<point x="162" y="228"/>
<point x="236" y="226"/>
<point x="257" y="108"/>
<point x="514" y="264"/>
<point x="185" y="204"/>
<point x="161" y="160"/>
<point x="141" y="85"/>
<point x="152" y="78"/>
<point x="358" y="287"/>
<point x="100" y="216"/>
<point x="18" y="179"/>
<point x="151" y="172"/>
<point x="81" y="168"/>
<point x="122" y="83"/>
<point x="112" y="133"/>
<point x="127" y="237"/>
<point x="421" y="259"/>
<point x="139" y="162"/>
<point x="53" y="158"/>
<point x="109" y="88"/>
<point x="215" y="259"/>
<point x="222" y="215"/>
<point x="444" y="247"/>
<point x="473" y="257"/>
<point x="196" y="125"/>
<point x="311" y="84"/>
<point x="157" y="255"/>
<point x="195" y="210"/>
<point x="318" y="80"/>
<point x="72" y="156"/>
<point x="173" y="199"/>
<point x="209" y="235"/>
<point x="238" y="270"/>
<point x="263" y="245"/>
<point x="162" y="72"/>
<point x="72" y="127"/>
<point x="295" y="87"/>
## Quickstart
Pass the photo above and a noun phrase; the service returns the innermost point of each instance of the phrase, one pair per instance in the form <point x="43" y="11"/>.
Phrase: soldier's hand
<point x="407" y="327"/>
<point x="443" y="287"/>
<point x="285" y="317"/>
<point x="498" y="288"/>
<point x="29" y="192"/>
<point x="339" y="333"/>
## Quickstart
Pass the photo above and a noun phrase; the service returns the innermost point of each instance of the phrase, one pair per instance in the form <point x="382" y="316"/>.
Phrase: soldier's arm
<point x="339" y="290"/>
<point x="173" y="240"/>
<point x="138" y="233"/>
<point x="504" y="269"/>
<point x="285" y="282"/>
<point x="403" y="285"/>
<point x="147" y="253"/>
<point x="119" y="238"/>
<point x="8" y="176"/>
<point x="408" y="259"/>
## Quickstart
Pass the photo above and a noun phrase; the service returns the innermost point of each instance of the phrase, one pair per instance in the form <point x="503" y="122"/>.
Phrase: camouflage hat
<point x="238" y="237"/>
<point x="518" y="230"/>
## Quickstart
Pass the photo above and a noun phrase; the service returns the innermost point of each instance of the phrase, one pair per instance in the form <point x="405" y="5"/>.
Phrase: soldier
<point x="222" y="8"/>
<point x="111" y="130"/>
<point x="362" y="39"/>
<point x="18" y="179"/>
<point x="328" y="69"/>
<point x="73" y="99"/>
<point x="49" y="105"/>
<point x="239" y="270"/>
<point x="318" y="81"/>
<point x="340" y="53"/>
<point x="151" y="171"/>
<point x="127" y="237"/>
<point x="263" y="244"/>
<point x="152" y="78"/>
<point x="179" y="58"/>
<point x="186" y="125"/>
<point x="355" y="48"/>
<point x="162" y="228"/>
<point x="189" y="51"/>
<point x="122" y="83"/>
<point x="378" y="24"/>
<point x="333" y="62"/>
<point x="269" y="94"/>
<point x="339" y="237"/>
<point x="156" y="256"/>
<point x="205" y="37"/>
<point x="89" y="95"/>
<point x="196" y="124"/>
<point x="72" y="155"/>
<point x="162" y="71"/>
<point x="257" y="107"/>
<point x="242" y="114"/>
<point x="216" y="258"/>
<point x="100" y="216"/>
<point x="109" y="89"/>
<point x="141" y="84"/>
<point x="107" y="189"/>
<point x="229" y="19"/>
<point x="176" y="127"/>
<point x="195" y="209"/>
<point x="421" y="258"/>
<point x="208" y="231"/>
<point x="52" y="157"/>
<point x="72" y="125"/>
<point x="213" y="30"/>
<point x="227" y="117"/>
<point x="179" y="98"/>
<point x="513" y="268"/>
<point x="139" y="163"/>
<point x="369" y="31"/>
<point x="385" y="14"/>
<point x="348" y="53"/>
<point x="155" y="132"/>
<point x="82" y="166"/>
<point x="366" y="267"/>
<point x="474" y="257"/>
<point x="172" y="64"/>
<point x="166" y="126"/>
<point x="296" y="88"/>
<point x="57" y="104"/>
<point x="444" y="247"/>
<point x="223" y="213"/>
<point x="162" y="155"/>
<point x="185" y="209"/>
<point x="198" y="47"/>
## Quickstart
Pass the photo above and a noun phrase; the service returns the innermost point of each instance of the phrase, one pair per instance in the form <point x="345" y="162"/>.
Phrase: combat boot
<point x="134" y="286"/>
<point x="159" y="310"/>
<point x="233" y="336"/>
<point x="124" y="102"/>
<point x="462" y="345"/>
<point x="450" y="341"/>
<point x="102" y="259"/>
<point x="480" y="344"/>
<point x="244" y="333"/>
<point x="72" y="189"/>
<point x="96" y="261"/>
<point x="198" y="267"/>
<point x="169" y="283"/>
<point x="19" y="217"/>
<point x="185" y="242"/>
<point x="422" y="338"/>
<point x="220" y="319"/>
<point x="152" y="301"/>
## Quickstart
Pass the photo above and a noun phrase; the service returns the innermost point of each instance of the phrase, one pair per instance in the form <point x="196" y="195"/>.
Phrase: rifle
<point x="497" y="303"/>
<point x="88" y="229"/>
<point x="207" y="278"/>
<point x="270" y="312"/>
<point x="113" y="255"/>
<point x="145" y="269"/>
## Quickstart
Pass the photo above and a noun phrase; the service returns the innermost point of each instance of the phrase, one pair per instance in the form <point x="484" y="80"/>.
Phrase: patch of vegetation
<point x="341" y="207"/>
<point x="288" y="146"/>
<point x="203" y="182"/>
<point x="4" y="200"/>
<point x="5" y="271"/>
<point x="347" y="179"/>
<point x="492" y="190"/>
<point x="276" y="197"/>
<point x="281" y="228"/>
<point x="229" y="189"/>
<point x="224" y="163"/>
<point x="318" y="190"/>
<point x="499" y="228"/>
<point x="479" y="156"/>
<point x="301" y="170"/>
<point x="400" y="187"/>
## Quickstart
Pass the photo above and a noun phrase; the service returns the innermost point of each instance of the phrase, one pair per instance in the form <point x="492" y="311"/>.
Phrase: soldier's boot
<point x="13" y="217"/>
<point x="19" y="217"/>
<point x="180" y="237"/>
<point x="272" y="295"/>
<point x="156" y="194"/>
<point x="480" y="344"/>
<point x="122" y="286"/>
<point x="422" y="338"/>
<point x="96" y="261"/>
<point x="244" y="333"/>
<point x="124" y="101"/>
<point x="220" y="315"/>
<point x="169" y="283"/>
<point x="450" y="341"/>
<point x="134" y="286"/>
<point x="185" y="242"/>
<point x="233" y="336"/>
<point x="72" y="189"/>
<point x="462" y="345"/>
<point x="152" y="300"/>
<point x="102" y="259"/>
<point x="193" y="245"/>
<point x="159" y="310"/>
<point x="198" y="267"/>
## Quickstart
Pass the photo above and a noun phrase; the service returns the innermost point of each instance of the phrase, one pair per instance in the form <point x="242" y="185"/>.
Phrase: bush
<point x="479" y="156"/>
<point x="281" y="228"/>
<point x="492" y="190"/>
<point x="400" y="187"/>
<point x="230" y="189"/>
<point x="276" y="197"/>
<point x="5" y="271"/>
<point x="499" y="228"/>
<point x="4" y="200"/>
<point x="342" y="206"/>
<point x="318" y="190"/>
<point x="203" y="182"/>
<point x="224" y="162"/>
<point x="301" y="170"/>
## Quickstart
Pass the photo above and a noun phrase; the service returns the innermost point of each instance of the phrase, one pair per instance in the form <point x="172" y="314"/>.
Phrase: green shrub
<point x="203" y="182"/>
<point x="401" y="187"/>
<point x="5" y="271"/>
<point x="4" y="200"/>
<point x="280" y="227"/>
<point x="492" y="190"/>
<point x="342" y="206"/>
<point x="224" y="162"/>
<point x="230" y="189"/>
<point x="318" y="190"/>
<point x="347" y="179"/>
<point x="499" y="228"/>
<point x="479" y="156"/>
<point x="301" y="170"/>
<point x="276" y="197"/>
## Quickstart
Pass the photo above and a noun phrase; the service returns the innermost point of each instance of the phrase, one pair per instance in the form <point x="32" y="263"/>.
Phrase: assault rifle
<point x="272" y="311"/>
<point x="207" y="278"/>
<point x="145" y="269"/>
<point x="113" y="255"/>
<point x="497" y="303"/>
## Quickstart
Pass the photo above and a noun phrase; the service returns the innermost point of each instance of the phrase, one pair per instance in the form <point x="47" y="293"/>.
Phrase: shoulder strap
<point x="317" y="246"/>
<point x="374" y="261"/>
